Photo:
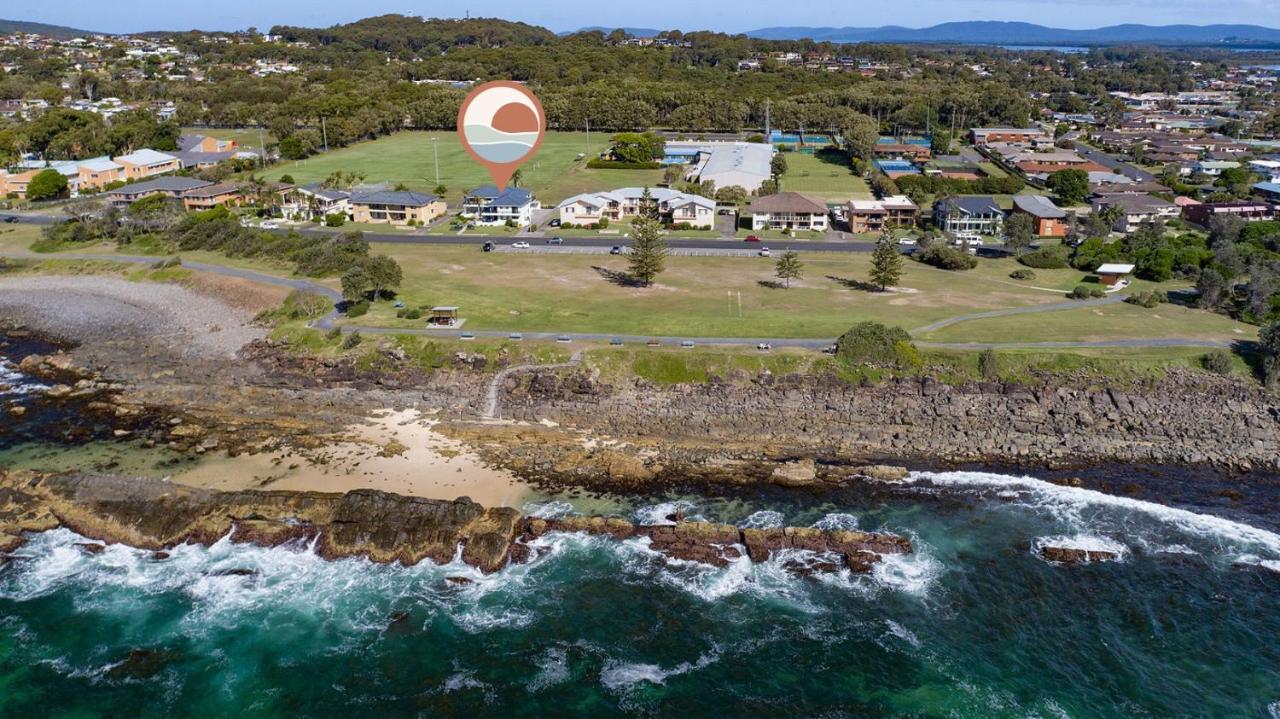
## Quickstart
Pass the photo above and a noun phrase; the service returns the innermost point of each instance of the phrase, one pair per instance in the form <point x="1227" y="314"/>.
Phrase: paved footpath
<point x="330" y="320"/>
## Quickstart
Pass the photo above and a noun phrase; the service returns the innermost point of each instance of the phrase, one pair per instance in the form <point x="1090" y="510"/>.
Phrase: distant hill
<point x="403" y="35"/>
<point x="632" y="31"/>
<point x="1021" y="33"/>
<point x="58" y="31"/>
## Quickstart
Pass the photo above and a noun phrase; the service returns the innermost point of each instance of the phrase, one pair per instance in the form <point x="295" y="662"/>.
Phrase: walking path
<point x="1033" y="309"/>
<point x="495" y="385"/>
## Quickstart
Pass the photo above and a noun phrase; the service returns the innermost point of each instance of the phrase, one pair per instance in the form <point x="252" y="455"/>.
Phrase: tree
<point x="886" y="262"/>
<point x="384" y="274"/>
<point x="441" y="190"/>
<point x="517" y="177"/>
<point x="789" y="267"/>
<point x="648" y="206"/>
<point x="648" y="251"/>
<point x="638" y="147"/>
<point x="778" y="165"/>
<point x="1269" y="342"/>
<point x="1212" y="288"/>
<point x="672" y="174"/>
<point x="733" y="195"/>
<point x="877" y="344"/>
<point x="356" y="283"/>
<point x="47" y="185"/>
<point x="1020" y="232"/>
<point x="1071" y="186"/>
<point x="768" y="187"/>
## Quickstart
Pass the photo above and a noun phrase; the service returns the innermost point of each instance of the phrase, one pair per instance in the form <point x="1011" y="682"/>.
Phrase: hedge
<point x="598" y="164"/>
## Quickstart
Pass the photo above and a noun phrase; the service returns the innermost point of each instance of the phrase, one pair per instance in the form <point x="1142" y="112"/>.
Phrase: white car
<point x="269" y="225"/>
<point x="764" y="252"/>
<point x="521" y="245"/>
<point x="909" y="241"/>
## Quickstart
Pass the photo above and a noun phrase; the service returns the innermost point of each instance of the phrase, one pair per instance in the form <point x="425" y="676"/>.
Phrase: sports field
<point x="556" y="172"/>
<point x="824" y="175"/>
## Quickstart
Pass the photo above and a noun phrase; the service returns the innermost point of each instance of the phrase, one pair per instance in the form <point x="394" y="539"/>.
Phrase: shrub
<point x="336" y="219"/>
<point x="1046" y="258"/>
<point x="988" y="365"/>
<point x="414" y="314"/>
<point x="1022" y="275"/>
<point x="598" y="164"/>
<point x="874" y="343"/>
<point x="333" y="334"/>
<point x="358" y="309"/>
<point x="1085" y="292"/>
<point x="1217" y="362"/>
<point x="351" y="341"/>
<point x="947" y="258"/>
<point x="1148" y="298"/>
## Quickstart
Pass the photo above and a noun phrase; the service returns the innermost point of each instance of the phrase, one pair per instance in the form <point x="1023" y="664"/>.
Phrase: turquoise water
<point x="974" y="624"/>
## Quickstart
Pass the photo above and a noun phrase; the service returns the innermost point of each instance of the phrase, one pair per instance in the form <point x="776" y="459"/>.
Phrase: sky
<point x="721" y="15"/>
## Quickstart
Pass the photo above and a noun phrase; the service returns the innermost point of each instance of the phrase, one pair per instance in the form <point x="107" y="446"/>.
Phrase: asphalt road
<point x="603" y="243"/>
<point x="1102" y="158"/>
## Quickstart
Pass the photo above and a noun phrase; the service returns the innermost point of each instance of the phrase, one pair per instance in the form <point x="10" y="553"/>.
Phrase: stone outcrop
<point x="1062" y="420"/>
<point x="1076" y="555"/>
<point x="156" y="515"/>
<point x="720" y="544"/>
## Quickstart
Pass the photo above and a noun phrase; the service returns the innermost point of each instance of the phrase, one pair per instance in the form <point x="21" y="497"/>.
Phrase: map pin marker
<point x="501" y="125"/>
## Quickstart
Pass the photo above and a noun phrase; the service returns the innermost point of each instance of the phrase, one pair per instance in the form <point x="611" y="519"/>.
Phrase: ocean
<point x="974" y="623"/>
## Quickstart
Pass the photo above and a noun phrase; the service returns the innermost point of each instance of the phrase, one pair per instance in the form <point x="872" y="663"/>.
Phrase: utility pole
<point x="324" y="133"/>
<point x="262" y="149"/>
<point x="588" y="138"/>
<point x="767" y="126"/>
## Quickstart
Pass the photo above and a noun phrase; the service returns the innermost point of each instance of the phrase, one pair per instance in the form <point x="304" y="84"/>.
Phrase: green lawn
<point x="248" y="138"/>
<point x="824" y="175"/>
<point x="407" y="157"/>
<point x="696" y="296"/>
<point x="1088" y="324"/>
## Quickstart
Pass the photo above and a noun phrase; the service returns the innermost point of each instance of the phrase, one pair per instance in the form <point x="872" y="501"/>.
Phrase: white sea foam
<point x="551" y="509"/>
<point x="911" y="573"/>
<point x="553" y="669"/>
<point x="13" y="382"/>
<point x="837" y="521"/>
<point x="620" y="676"/>
<point x="903" y="633"/>
<point x="1082" y="509"/>
<point x="657" y="514"/>
<point x="764" y="519"/>
<point x="1274" y="710"/>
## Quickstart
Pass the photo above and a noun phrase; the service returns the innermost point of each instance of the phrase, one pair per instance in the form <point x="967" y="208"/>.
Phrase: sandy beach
<point x="394" y="451"/>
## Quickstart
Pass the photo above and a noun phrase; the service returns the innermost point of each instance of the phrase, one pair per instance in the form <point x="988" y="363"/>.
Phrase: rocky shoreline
<point x="381" y="526"/>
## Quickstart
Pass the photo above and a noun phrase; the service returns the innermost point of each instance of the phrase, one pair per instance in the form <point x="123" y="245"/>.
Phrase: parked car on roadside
<point x="764" y="252"/>
<point x="488" y="247"/>
<point x="908" y="241"/>
<point x="615" y="250"/>
<point x="11" y="219"/>
<point x="554" y="223"/>
<point x="520" y="245"/>
<point x="752" y="238"/>
<point x="616" y="341"/>
<point x="515" y="336"/>
<point x="686" y="344"/>
<point x="564" y="338"/>
<point x="467" y="336"/>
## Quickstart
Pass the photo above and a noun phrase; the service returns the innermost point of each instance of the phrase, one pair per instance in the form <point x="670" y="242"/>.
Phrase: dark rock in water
<point x="398" y="623"/>
<point x="714" y="544"/>
<point x="90" y="548"/>
<point x="1076" y="555"/>
<point x="459" y="581"/>
<point x="519" y="553"/>
<point x="142" y="663"/>
<point x="808" y="569"/>
<point x="233" y="572"/>
<point x="160" y="556"/>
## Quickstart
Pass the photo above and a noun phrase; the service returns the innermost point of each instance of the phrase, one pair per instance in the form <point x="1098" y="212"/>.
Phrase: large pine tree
<point x="886" y="262"/>
<point x="648" y="256"/>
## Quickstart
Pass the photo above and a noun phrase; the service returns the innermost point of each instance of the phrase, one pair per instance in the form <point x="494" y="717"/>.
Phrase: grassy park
<point x="553" y="174"/>
<point x="826" y="175"/>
